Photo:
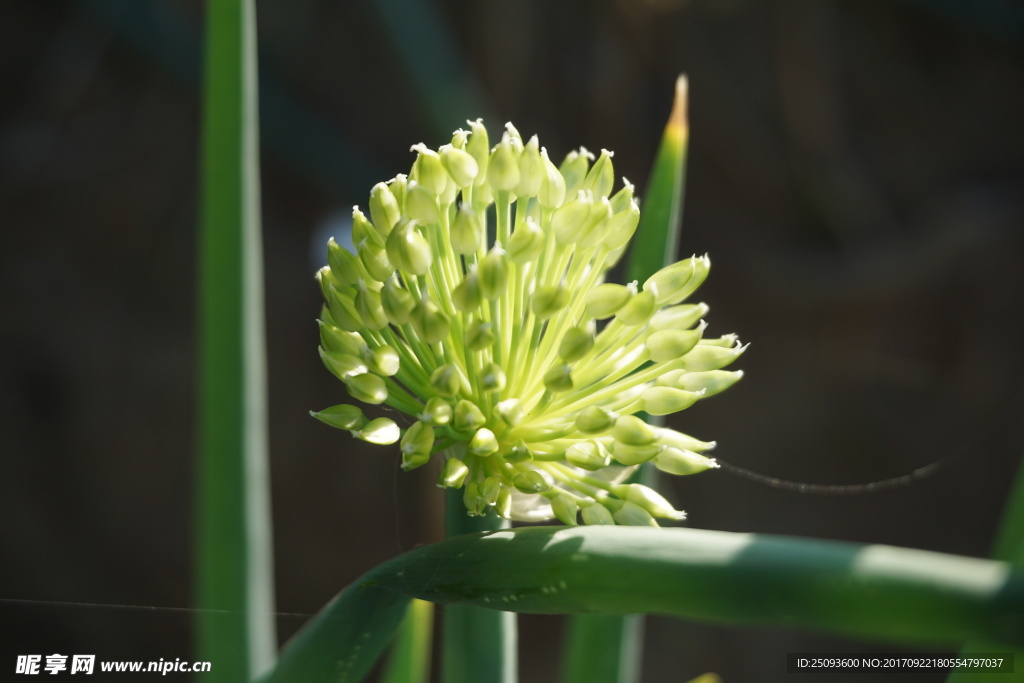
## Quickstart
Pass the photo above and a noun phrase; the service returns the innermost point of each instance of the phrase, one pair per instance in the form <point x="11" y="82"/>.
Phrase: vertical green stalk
<point x="479" y="644"/>
<point x="235" y="573"/>
<point x="409" y="661"/>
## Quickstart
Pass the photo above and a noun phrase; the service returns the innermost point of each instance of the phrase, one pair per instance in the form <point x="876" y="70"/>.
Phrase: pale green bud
<point x="574" y="169"/>
<point x="468" y="417"/>
<point x="335" y="339"/>
<point x="679" y="317"/>
<point x="637" y="310"/>
<point x="341" y="416"/>
<point x="429" y="322"/>
<point x="381" y="431"/>
<point x="674" y="439"/>
<point x="631" y="514"/>
<point x="467" y="296"/>
<point x="558" y="377"/>
<point x="597" y="514"/>
<point x="503" y="503"/>
<point x="345" y="267"/>
<point x="711" y="382"/>
<point x="411" y="461"/>
<point x="475" y="505"/>
<point x="565" y="508"/>
<point x="384" y="209"/>
<point x="594" y="419"/>
<point x="445" y="380"/>
<point x="342" y="365"/>
<point x="325" y="278"/>
<point x="705" y="357"/>
<point x="384" y="361"/>
<point x="436" y="412"/>
<point x="419" y="438"/>
<point x="682" y="462"/>
<point x="503" y="168"/>
<point x="421" y="204"/>
<point x="397" y="302"/>
<point x="601" y="177"/>
<point x="634" y="455"/>
<point x="622" y="226"/>
<point x="519" y="453"/>
<point x="467" y="232"/>
<point x="398" y="186"/>
<point x="461" y="165"/>
<point x="479" y="148"/>
<point x="531" y="170"/>
<point x="428" y="169"/>
<point x="375" y="259"/>
<point x="408" y="249"/>
<point x="632" y="431"/>
<point x="363" y="230"/>
<point x="588" y="455"/>
<point x="598" y="225"/>
<point x="493" y="273"/>
<point x="533" y="481"/>
<point x="493" y="378"/>
<point x="726" y="341"/>
<point x="459" y="138"/>
<point x="453" y="474"/>
<point x="668" y="400"/>
<point x="367" y="387"/>
<point x="669" y="345"/>
<point x="369" y="308"/>
<point x="622" y="199"/>
<point x="479" y="335"/>
<point x="605" y="300"/>
<point x="526" y="243"/>
<point x="515" y="139"/>
<point x="343" y="310"/>
<point x="570" y="220"/>
<point x="483" y="443"/>
<point x="510" y="411"/>
<point x="674" y="283"/>
<point x="483" y="196"/>
<point x="552" y="189"/>
<point x="649" y="500"/>
<point x="547" y="301"/>
<point x="576" y="343"/>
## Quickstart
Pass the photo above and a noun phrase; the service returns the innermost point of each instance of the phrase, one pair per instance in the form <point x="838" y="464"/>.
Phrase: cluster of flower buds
<point x="475" y="304"/>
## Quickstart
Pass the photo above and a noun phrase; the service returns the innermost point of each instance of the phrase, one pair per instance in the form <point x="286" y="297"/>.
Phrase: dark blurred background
<point x="856" y="173"/>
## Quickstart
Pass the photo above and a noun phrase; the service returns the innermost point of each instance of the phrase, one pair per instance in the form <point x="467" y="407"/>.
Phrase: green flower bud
<point x="344" y="265"/>
<point x="428" y="170"/>
<point x="467" y="232"/>
<point x="429" y="322"/>
<point x="631" y="514"/>
<point x="510" y="411"/>
<point x="570" y="220"/>
<point x="397" y="302"/>
<point x="374" y="258"/>
<point x="445" y="380"/>
<point x="547" y="301"/>
<point x="533" y="481"/>
<point x="558" y="378"/>
<point x="588" y="455"/>
<point x="519" y="453"/>
<point x="632" y="431"/>
<point x="342" y="365"/>
<point x="622" y="227"/>
<point x="384" y="209"/>
<point x="479" y="336"/>
<point x="598" y="224"/>
<point x="363" y="230"/>
<point x="493" y="378"/>
<point x="514" y="138"/>
<point x="637" y="310"/>
<point x="421" y="205"/>
<point x="384" y="361"/>
<point x="526" y="243"/>
<point x="483" y="442"/>
<point x="679" y="317"/>
<point x="479" y="147"/>
<point x="669" y="345"/>
<point x="483" y="196"/>
<point x="682" y="462"/>
<point x="531" y="170"/>
<point x="408" y="249"/>
<point x="468" y="417"/>
<point x="503" y="168"/>
<point x="398" y="186"/>
<point x="673" y="439"/>
<point x="668" y="400"/>
<point x="634" y="455"/>
<point x="623" y="199"/>
<point x="705" y="357"/>
<point x="674" y="283"/>
<point x="436" y="412"/>
<point x="601" y="177"/>
<point x="367" y="387"/>
<point x="552" y="189"/>
<point x="411" y="461"/>
<point x="565" y="508"/>
<point x="459" y="138"/>
<point x="650" y="500"/>
<point x="341" y="416"/>
<point x="381" y="431"/>
<point x="475" y="505"/>
<point x="419" y="438"/>
<point x="369" y="308"/>
<point x="597" y="514"/>
<point x="605" y="300"/>
<point x="503" y="503"/>
<point x="574" y="170"/>
<point x="343" y="310"/>
<point x="576" y="343"/>
<point x="493" y="273"/>
<point x="336" y="339"/>
<point x="594" y="419"/>
<point x="461" y="165"/>
<point x="711" y="382"/>
<point x="453" y="474"/>
<point x="468" y="296"/>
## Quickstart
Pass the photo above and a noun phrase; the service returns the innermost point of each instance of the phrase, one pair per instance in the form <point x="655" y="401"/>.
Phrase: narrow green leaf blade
<point x="603" y="647"/>
<point x="409" y="661"/>
<point x="235" y="628"/>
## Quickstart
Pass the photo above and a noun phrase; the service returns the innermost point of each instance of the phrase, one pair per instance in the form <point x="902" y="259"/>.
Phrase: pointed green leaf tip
<point x="494" y="348"/>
